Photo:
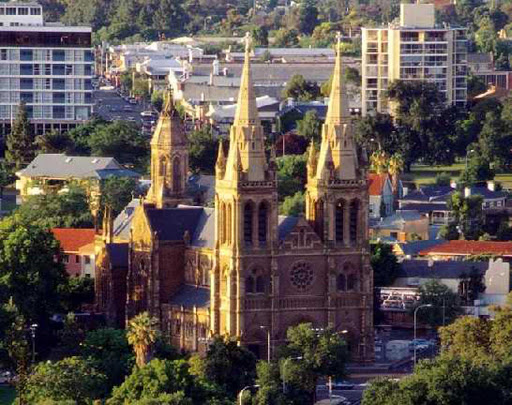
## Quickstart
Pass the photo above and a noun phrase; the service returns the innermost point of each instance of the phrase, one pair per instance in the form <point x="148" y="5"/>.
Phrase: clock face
<point x="301" y="276"/>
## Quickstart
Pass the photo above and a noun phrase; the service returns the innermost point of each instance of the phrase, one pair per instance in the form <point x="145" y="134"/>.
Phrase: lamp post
<point x="269" y="347"/>
<point x="240" y="394"/>
<point x="415" y="312"/>
<point x="33" y="328"/>
<point x="285" y="362"/>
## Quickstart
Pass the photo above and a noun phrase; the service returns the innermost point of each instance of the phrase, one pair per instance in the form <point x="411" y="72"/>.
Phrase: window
<point x="262" y="223"/>
<point x="26" y="54"/>
<point x="260" y="284"/>
<point x="354" y="217"/>
<point x="58" y="70"/>
<point x="248" y="223"/>
<point x="3" y="54"/>
<point x="176" y="174"/>
<point x="351" y="282"/>
<point x="35" y="11"/>
<point x="65" y="259"/>
<point x="341" y="282"/>
<point x="59" y="55"/>
<point x="2" y="10"/>
<point x="77" y="259"/>
<point x="11" y="10"/>
<point x="87" y="260"/>
<point x="302" y="276"/>
<point x="340" y="208"/>
<point x="23" y="11"/>
<point x="249" y="285"/>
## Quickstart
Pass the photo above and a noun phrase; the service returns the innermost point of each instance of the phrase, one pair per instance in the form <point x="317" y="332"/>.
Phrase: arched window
<point x="340" y="208"/>
<point x="341" y="284"/>
<point x="260" y="284"/>
<point x="354" y="217"/>
<point x="319" y="218"/>
<point x="249" y="285"/>
<point x="163" y="167"/>
<point x="222" y="223"/>
<point x="176" y="174"/>
<point x="351" y="282"/>
<point x="228" y="223"/>
<point x="248" y="223"/>
<point x="262" y="223"/>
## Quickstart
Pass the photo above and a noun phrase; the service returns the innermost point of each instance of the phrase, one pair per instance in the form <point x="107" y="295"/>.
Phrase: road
<point x="353" y="396"/>
<point x="110" y="106"/>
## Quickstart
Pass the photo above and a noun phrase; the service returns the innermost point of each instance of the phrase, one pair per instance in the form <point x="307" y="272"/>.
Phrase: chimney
<point x="467" y="192"/>
<point x="491" y="185"/>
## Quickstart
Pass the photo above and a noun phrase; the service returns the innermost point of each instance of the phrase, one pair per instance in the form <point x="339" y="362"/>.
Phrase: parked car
<point x="420" y="344"/>
<point x="342" y="385"/>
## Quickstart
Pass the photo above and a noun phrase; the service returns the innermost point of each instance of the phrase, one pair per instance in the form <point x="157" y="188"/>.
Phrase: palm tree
<point x="142" y="334"/>
<point x="379" y="161"/>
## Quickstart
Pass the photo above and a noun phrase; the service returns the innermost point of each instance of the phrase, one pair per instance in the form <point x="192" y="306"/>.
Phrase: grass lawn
<point x="422" y="174"/>
<point x="7" y="395"/>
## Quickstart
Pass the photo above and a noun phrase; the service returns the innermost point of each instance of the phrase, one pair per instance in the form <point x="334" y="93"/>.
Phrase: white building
<point x="49" y="67"/>
<point x="413" y="49"/>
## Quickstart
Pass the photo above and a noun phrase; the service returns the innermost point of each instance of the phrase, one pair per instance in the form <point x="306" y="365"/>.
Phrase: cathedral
<point x="240" y="269"/>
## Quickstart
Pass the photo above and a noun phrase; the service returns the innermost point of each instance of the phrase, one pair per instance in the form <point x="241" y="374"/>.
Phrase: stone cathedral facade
<point x="240" y="269"/>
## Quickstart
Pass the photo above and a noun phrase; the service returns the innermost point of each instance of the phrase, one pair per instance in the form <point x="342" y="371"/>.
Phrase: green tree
<point x="310" y="126"/>
<point x="117" y="192"/>
<point x="377" y="132"/>
<point x="485" y="36"/>
<point x="78" y="291"/>
<point x="202" y="150"/>
<point x="284" y="38"/>
<point x="467" y="214"/>
<point x="142" y="335"/>
<point x="157" y="100"/>
<point x="169" y="17"/>
<point x="308" y="16"/>
<point x="445" y="304"/>
<point x="229" y="366"/>
<point x="449" y="232"/>
<point x="109" y="352"/>
<point x="54" y="142"/>
<point x="260" y="35"/>
<point x="6" y="178"/>
<point x="269" y="380"/>
<point x="384" y="263"/>
<point x="291" y="175"/>
<point x="299" y="88"/>
<point x="293" y="205"/>
<point x="70" y="379"/>
<point x="476" y="86"/>
<point x="160" y="381"/>
<point x="20" y="149"/>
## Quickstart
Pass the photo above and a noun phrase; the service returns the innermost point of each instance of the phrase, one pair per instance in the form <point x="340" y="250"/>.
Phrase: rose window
<point x="301" y="276"/>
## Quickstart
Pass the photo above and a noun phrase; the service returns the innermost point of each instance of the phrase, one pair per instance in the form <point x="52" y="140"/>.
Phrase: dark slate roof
<point x="440" y="269"/>
<point x="189" y="296"/>
<point x="320" y="108"/>
<point x="424" y="208"/>
<point x="397" y="220"/>
<point x="285" y="225"/>
<point x="204" y="235"/>
<point x="415" y="247"/>
<point x="486" y="193"/>
<point x="123" y="221"/>
<point x="106" y="173"/>
<point x="429" y="193"/>
<point x="118" y="253"/>
<point x="171" y="223"/>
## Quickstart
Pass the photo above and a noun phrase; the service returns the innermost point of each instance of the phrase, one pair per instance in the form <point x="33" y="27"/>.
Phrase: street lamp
<point x="33" y="328"/>
<point x="415" y="311"/>
<point x="285" y="362"/>
<point x="240" y="394"/>
<point x="269" y="347"/>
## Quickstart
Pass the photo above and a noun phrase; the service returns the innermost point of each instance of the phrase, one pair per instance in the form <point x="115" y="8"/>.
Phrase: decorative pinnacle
<point x="169" y="104"/>
<point x="248" y="42"/>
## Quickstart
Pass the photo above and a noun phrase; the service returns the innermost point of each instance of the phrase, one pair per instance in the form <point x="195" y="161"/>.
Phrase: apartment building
<point x="47" y="66"/>
<point x="413" y="49"/>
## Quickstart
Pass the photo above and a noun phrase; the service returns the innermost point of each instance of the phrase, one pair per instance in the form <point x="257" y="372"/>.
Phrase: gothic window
<point x="319" y="218"/>
<point x="262" y="223"/>
<point x="248" y="223"/>
<point x="354" y="215"/>
<point x="301" y="276"/>
<point x="260" y="284"/>
<point x="351" y="282"/>
<point x="339" y="218"/>
<point x="341" y="283"/>
<point x="176" y="174"/>
<point x="163" y="167"/>
<point x="249" y="285"/>
<point x="228" y="224"/>
<point x="222" y="223"/>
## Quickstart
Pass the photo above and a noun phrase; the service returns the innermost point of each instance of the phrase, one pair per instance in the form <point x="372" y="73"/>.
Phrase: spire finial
<point x="169" y="104"/>
<point x="338" y="41"/>
<point x="248" y="42"/>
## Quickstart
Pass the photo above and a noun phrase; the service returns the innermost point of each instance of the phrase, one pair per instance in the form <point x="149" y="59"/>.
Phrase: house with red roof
<point x="380" y="190"/>
<point x="78" y="247"/>
<point x="462" y="249"/>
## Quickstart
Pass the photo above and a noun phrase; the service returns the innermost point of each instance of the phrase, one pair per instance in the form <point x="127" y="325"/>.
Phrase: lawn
<point x="422" y="174"/>
<point x="7" y="395"/>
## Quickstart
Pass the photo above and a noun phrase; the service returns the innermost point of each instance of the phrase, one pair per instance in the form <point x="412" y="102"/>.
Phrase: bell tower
<point x="336" y="197"/>
<point x="169" y="159"/>
<point x="245" y="207"/>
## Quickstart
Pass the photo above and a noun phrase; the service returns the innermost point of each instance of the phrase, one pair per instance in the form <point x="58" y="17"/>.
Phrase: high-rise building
<point x="413" y="49"/>
<point x="47" y="66"/>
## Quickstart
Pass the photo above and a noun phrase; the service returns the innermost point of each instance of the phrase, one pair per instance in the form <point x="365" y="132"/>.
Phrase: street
<point x="352" y="396"/>
<point x="110" y="106"/>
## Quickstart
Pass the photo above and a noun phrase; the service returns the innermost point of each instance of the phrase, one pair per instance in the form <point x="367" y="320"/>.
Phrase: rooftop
<point x="470" y="248"/>
<point x="376" y="183"/>
<point x="440" y="269"/>
<point x="72" y="239"/>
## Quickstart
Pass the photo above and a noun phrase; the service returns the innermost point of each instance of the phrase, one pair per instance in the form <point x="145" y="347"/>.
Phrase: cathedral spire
<point x="338" y="104"/>
<point x="168" y="107"/>
<point x="247" y="110"/>
<point x="220" y="165"/>
<point x="312" y="160"/>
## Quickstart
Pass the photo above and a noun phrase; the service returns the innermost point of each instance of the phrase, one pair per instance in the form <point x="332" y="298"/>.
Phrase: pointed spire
<point x="338" y="104"/>
<point x="312" y="160"/>
<point x="326" y="165"/>
<point x="168" y="107"/>
<point x="247" y="110"/>
<point x="220" y="165"/>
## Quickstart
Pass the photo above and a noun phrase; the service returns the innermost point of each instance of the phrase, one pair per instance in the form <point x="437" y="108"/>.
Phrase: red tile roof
<point x="72" y="239"/>
<point x="376" y="183"/>
<point x="470" y="247"/>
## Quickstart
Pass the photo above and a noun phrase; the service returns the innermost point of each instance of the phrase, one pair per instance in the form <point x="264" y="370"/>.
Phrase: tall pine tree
<point x="20" y="141"/>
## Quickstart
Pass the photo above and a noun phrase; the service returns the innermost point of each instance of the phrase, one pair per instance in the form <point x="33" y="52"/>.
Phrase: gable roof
<point x="470" y="248"/>
<point x="172" y="223"/>
<point x="397" y="220"/>
<point x="60" y="166"/>
<point x="486" y="193"/>
<point x="286" y="225"/>
<point x="440" y="269"/>
<point x="204" y="235"/>
<point x="429" y="194"/>
<point x="415" y="247"/>
<point x="72" y="239"/>
<point x="376" y="183"/>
